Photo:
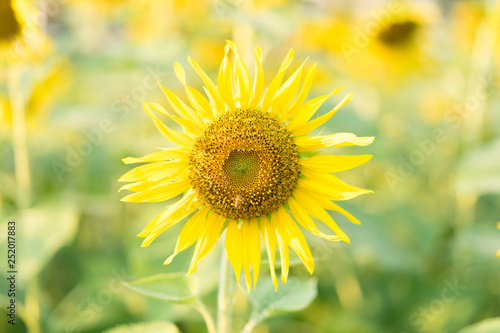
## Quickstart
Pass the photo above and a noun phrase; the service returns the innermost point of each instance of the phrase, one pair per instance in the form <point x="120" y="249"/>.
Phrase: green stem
<point x="32" y="308"/>
<point x="202" y="309"/>
<point x="483" y="50"/>
<point x="19" y="138"/>
<point x="254" y="320"/>
<point x="224" y="296"/>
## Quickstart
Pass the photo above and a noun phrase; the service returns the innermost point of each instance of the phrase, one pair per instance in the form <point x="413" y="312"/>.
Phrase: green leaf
<point x="172" y="288"/>
<point x="42" y="231"/>
<point x="491" y="325"/>
<point x="478" y="171"/>
<point x="296" y="295"/>
<point x="157" y="326"/>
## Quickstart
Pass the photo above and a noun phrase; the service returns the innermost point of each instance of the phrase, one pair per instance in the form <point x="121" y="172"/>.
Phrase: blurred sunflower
<point x="391" y="43"/>
<point x="398" y="40"/>
<point x="242" y="165"/>
<point x="47" y="83"/>
<point x="20" y="37"/>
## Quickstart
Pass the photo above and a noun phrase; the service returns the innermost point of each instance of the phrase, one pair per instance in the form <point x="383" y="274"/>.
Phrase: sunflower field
<point x="253" y="166"/>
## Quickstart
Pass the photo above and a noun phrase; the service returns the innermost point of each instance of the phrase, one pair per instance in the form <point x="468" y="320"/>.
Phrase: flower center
<point x="241" y="167"/>
<point x="244" y="165"/>
<point x="398" y="34"/>
<point x="10" y="26"/>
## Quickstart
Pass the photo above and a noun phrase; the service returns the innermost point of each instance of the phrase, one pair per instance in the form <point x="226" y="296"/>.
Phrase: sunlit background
<point x="426" y="77"/>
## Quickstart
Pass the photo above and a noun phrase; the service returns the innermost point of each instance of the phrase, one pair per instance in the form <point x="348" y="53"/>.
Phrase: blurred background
<point x="426" y="76"/>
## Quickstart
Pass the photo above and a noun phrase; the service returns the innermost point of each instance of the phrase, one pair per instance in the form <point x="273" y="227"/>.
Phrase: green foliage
<point x="163" y="327"/>
<point x="430" y="223"/>
<point x="172" y="288"/>
<point x="295" y="295"/>
<point x="491" y="325"/>
<point x="45" y="229"/>
<point x="478" y="171"/>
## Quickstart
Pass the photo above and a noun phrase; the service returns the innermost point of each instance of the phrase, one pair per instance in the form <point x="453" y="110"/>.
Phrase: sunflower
<point x="242" y="166"/>
<point x="388" y="44"/>
<point x="399" y="40"/>
<point x="20" y="35"/>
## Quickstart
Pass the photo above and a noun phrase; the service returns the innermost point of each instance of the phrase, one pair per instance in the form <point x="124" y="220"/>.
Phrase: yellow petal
<point x="258" y="87"/>
<point x="159" y="193"/>
<point x="234" y="249"/>
<point x="269" y="235"/>
<point x="331" y="192"/>
<point x="291" y="110"/>
<point x="306" y="198"/>
<point x="254" y="249"/>
<point x="276" y="81"/>
<point x="182" y="108"/>
<point x="154" y="171"/>
<point x="225" y="81"/>
<point x="334" y="163"/>
<point x="180" y="209"/>
<point x="242" y="77"/>
<point x="287" y="92"/>
<point x="308" y="127"/>
<point x="173" y="136"/>
<point x="282" y="240"/>
<point x="325" y="183"/>
<point x="159" y="178"/>
<point x="212" y="89"/>
<point x="189" y="234"/>
<point x="300" y="214"/>
<point x="333" y="206"/>
<point x="250" y="254"/>
<point x="308" y="143"/>
<point x="296" y="239"/>
<point x="211" y="232"/>
<point x="245" y="255"/>
<point x="307" y="110"/>
<point x="197" y="100"/>
<point x="324" y="201"/>
<point x="169" y="217"/>
<point x="190" y="128"/>
<point x="164" y="155"/>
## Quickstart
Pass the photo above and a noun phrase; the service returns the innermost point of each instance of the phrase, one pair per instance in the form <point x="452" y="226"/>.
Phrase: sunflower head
<point x="240" y="166"/>
<point x="10" y="26"/>
<point x="398" y="34"/>
<point x="20" y="35"/>
<point x="245" y="165"/>
<point x="406" y="27"/>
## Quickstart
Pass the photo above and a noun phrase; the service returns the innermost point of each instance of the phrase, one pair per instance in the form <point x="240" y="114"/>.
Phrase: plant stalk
<point x="19" y="138"/>
<point x="224" y="296"/>
<point x="202" y="309"/>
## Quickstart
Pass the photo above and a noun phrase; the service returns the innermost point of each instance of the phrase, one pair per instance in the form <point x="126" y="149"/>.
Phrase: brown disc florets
<point x="244" y="165"/>
<point x="398" y="34"/>
<point x="10" y="26"/>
